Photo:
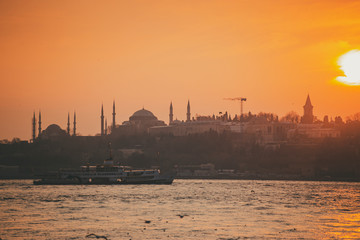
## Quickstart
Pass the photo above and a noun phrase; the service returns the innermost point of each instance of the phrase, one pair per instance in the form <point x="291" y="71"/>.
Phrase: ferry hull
<point x="101" y="182"/>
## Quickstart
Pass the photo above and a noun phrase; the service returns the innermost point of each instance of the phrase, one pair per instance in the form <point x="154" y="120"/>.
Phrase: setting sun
<point x="350" y="64"/>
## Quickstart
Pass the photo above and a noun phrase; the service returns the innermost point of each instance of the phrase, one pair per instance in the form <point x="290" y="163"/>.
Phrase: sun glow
<point x="350" y="64"/>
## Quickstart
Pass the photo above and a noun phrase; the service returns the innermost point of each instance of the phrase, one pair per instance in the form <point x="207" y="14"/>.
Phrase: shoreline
<point x="259" y="178"/>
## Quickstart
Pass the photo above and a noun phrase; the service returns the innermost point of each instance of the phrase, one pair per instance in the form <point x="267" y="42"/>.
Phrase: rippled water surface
<point x="187" y="209"/>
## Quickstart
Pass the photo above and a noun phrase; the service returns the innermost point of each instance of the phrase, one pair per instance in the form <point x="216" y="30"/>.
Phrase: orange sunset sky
<point x="61" y="56"/>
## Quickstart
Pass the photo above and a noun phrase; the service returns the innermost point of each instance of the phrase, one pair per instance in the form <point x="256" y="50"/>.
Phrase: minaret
<point x="171" y="115"/>
<point x="106" y="126"/>
<point x="34" y="128"/>
<point x="308" y="112"/>
<point x="113" y="123"/>
<point x="188" y="114"/>
<point x="68" y="125"/>
<point x="102" y="120"/>
<point x="39" y="124"/>
<point x="74" y="130"/>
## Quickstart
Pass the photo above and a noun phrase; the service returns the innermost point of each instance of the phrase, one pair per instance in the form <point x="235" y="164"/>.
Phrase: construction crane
<point x="241" y="99"/>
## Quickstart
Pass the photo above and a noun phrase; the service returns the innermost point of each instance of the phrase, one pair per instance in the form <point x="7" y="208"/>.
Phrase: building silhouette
<point x="68" y="124"/>
<point x="53" y="131"/>
<point x="171" y="114"/>
<point x="102" y="120"/>
<point x="308" y="116"/>
<point x="34" y="128"/>
<point x="265" y="129"/>
<point x="74" y="130"/>
<point x="39" y="124"/>
<point x="113" y="114"/>
<point x="188" y="114"/>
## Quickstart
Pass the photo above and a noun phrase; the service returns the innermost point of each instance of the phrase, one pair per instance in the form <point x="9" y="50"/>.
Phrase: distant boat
<point x="106" y="173"/>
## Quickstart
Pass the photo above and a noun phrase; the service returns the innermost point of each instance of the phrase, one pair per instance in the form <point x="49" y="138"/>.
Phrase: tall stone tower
<point x="106" y="127"/>
<point x="102" y="120"/>
<point x="308" y="117"/>
<point x="171" y="115"/>
<point x="68" y="125"/>
<point x="74" y="130"/>
<point x="188" y="114"/>
<point x="39" y="124"/>
<point x="113" y="123"/>
<point x="34" y="128"/>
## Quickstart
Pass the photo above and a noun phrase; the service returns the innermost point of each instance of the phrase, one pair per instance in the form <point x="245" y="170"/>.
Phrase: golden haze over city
<point x="77" y="55"/>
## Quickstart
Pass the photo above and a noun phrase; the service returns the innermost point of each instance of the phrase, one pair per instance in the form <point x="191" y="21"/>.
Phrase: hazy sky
<point x="61" y="56"/>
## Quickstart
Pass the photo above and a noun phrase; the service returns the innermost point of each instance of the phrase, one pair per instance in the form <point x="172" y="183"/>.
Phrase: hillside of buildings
<point x="205" y="155"/>
<point x="249" y="146"/>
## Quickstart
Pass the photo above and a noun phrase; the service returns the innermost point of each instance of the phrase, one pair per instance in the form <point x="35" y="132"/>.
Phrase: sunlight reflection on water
<point x="187" y="209"/>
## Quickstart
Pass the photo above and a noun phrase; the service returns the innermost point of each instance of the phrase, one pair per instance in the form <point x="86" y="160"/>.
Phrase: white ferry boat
<point x="106" y="173"/>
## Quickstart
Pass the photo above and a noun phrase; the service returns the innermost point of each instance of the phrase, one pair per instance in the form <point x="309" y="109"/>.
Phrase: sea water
<point x="187" y="209"/>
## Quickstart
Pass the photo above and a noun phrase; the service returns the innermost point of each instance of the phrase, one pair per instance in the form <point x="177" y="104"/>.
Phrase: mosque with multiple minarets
<point x="140" y="122"/>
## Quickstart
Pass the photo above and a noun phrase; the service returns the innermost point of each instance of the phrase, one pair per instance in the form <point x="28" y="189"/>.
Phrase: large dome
<point x="143" y="114"/>
<point x="53" y="130"/>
